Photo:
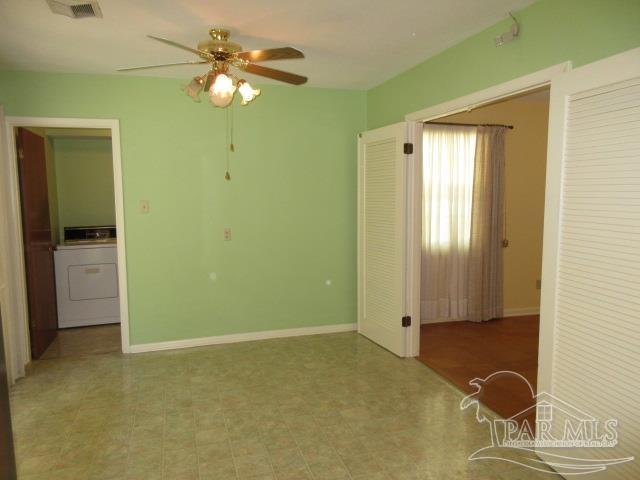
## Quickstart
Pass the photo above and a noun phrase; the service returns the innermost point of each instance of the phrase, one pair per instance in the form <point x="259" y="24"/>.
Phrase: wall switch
<point x="227" y="234"/>
<point x="538" y="284"/>
<point x="144" y="206"/>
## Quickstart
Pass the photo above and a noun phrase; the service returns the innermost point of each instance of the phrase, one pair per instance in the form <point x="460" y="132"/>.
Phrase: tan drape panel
<point x="485" y="246"/>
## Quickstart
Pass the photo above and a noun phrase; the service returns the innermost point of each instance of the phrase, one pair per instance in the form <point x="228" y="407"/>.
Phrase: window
<point x="545" y="412"/>
<point x="448" y="154"/>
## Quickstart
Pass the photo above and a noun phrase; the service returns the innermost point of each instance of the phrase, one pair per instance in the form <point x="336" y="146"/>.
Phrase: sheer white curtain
<point x="448" y="170"/>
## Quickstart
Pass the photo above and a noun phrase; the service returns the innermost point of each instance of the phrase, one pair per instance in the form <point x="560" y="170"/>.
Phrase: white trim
<point x="414" y="236"/>
<point x="504" y="90"/>
<point x="88" y="322"/>
<point x="16" y="352"/>
<point x="359" y="234"/>
<point x="509" y="312"/>
<point x="241" y="337"/>
<point x="13" y="247"/>
<point x="442" y="320"/>
<point x="518" y="312"/>
<point x="15" y="309"/>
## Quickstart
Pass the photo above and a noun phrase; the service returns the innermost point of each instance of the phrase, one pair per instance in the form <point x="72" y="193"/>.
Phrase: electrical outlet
<point x="144" y="206"/>
<point x="227" y="234"/>
<point x="538" y="284"/>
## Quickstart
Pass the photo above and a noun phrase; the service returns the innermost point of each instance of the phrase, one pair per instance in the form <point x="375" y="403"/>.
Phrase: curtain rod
<point x="510" y="127"/>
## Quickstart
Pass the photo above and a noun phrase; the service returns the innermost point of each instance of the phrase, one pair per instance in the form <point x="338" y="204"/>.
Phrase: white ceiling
<point x="347" y="43"/>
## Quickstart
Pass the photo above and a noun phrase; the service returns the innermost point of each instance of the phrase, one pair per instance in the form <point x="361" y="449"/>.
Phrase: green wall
<point x="84" y="181"/>
<point x="291" y="203"/>
<point x="553" y="31"/>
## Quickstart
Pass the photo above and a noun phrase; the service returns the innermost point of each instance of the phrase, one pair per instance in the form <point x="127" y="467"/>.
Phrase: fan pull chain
<point x="231" y="145"/>
<point x="229" y="140"/>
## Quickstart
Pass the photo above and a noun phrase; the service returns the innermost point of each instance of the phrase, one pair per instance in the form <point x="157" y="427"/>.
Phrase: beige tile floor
<point x="75" y="342"/>
<point x="321" y="407"/>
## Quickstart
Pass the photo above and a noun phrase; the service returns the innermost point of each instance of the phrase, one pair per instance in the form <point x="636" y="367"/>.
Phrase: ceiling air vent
<point x="75" y="9"/>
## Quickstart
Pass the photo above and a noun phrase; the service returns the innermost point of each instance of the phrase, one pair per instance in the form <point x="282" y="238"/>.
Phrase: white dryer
<point x="87" y="283"/>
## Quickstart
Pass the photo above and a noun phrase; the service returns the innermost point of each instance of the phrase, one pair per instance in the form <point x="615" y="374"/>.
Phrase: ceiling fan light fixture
<point x="221" y="54"/>
<point x="247" y="92"/>
<point x="194" y="88"/>
<point x="222" y="90"/>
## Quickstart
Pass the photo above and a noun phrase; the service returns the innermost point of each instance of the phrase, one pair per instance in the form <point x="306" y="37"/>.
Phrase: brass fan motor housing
<point x="219" y="43"/>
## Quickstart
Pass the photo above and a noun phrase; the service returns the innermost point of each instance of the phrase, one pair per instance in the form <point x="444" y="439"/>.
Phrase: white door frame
<point x="12" y="246"/>
<point x="413" y="268"/>
<point x="465" y="103"/>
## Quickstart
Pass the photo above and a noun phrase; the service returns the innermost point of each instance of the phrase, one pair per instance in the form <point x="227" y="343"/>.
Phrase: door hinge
<point x="406" y="321"/>
<point x="408" y="148"/>
<point x="20" y="154"/>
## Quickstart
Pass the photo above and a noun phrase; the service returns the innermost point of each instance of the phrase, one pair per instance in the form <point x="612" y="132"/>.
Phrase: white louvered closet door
<point x="590" y="309"/>
<point x="382" y="236"/>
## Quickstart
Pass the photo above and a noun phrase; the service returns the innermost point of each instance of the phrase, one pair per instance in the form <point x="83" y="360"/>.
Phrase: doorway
<point x="590" y="221"/>
<point x="69" y="239"/>
<point x="506" y="338"/>
<point x="85" y="293"/>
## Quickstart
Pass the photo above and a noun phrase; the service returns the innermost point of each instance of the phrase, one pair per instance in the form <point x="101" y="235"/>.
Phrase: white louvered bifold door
<point x="382" y="236"/>
<point x="590" y="311"/>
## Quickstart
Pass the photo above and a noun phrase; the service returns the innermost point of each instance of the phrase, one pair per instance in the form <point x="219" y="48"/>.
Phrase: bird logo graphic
<point x="559" y="427"/>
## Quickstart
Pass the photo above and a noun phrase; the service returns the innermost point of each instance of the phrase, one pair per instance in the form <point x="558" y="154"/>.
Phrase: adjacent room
<point x="66" y="195"/>
<point x="476" y="320"/>
<point x="319" y="240"/>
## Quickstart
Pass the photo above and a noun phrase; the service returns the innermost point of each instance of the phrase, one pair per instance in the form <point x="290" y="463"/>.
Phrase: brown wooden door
<point x="38" y="245"/>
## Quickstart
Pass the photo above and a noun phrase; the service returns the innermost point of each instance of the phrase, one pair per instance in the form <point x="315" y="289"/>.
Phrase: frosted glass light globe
<point x="222" y="90"/>
<point x="194" y="88"/>
<point x="247" y="91"/>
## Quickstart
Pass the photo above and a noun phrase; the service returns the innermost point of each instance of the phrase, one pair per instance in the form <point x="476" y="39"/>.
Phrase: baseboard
<point x="241" y="337"/>
<point x="518" y="312"/>
<point x="88" y="322"/>
<point x="508" y="312"/>
<point x="441" y="320"/>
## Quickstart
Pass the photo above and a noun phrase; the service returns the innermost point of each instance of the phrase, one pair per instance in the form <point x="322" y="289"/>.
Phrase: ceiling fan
<point x="221" y="54"/>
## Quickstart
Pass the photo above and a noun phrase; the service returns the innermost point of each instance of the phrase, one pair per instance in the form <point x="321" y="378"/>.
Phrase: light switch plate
<point x="144" y="206"/>
<point x="227" y="234"/>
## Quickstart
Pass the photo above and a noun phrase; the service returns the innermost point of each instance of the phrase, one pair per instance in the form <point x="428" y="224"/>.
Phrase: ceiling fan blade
<point x="273" y="73"/>
<point x="270" y="54"/>
<point x="200" y="53"/>
<point x="144" y="67"/>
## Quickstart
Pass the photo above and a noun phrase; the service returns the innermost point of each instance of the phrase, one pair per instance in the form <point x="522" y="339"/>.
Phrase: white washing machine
<point x="87" y="283"/>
